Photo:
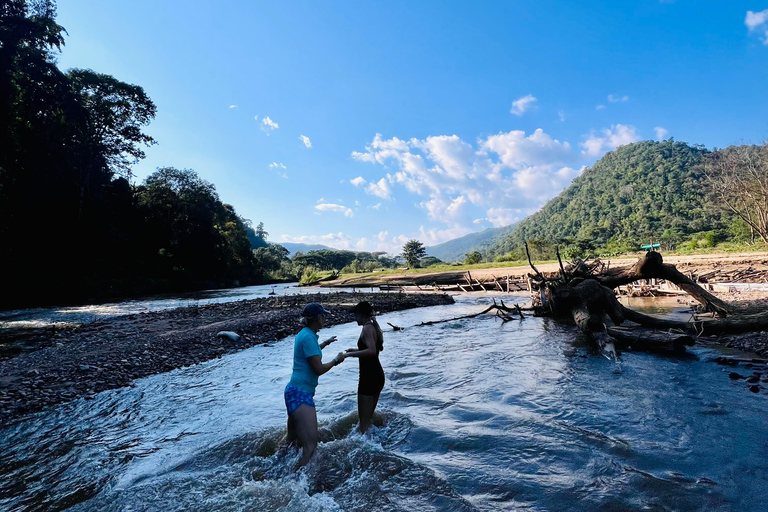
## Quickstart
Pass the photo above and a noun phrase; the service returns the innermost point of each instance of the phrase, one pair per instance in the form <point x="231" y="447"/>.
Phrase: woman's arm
<point x="369" y="338"/>
<point x="320" y="367"/>
<point x="327" y="342"/>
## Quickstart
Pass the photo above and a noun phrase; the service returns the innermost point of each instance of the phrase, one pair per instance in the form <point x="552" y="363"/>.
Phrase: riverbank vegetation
<point x="74" y="225"/>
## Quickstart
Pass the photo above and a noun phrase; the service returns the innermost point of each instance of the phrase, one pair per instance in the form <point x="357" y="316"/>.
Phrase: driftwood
<point x="584" y="292"/>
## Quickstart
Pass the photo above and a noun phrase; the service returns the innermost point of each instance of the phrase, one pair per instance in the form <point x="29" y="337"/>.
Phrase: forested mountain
<point x="456" y="249"/>
<point x="641" y="192"/>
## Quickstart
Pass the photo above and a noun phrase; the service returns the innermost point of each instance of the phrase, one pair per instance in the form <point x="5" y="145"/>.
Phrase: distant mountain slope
<point x="294" y="248"/>
<point x="454" y="250"/>
<point x="642" y="191"/>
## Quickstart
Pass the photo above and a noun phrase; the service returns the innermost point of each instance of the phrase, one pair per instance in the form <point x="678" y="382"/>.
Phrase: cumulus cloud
<point x="617" y="99"/>
<point x="268" y="124"/>
<point x="660" y="132"/>
<point x="758" y="22"/>
<point x="456" y="179"/>
<point x="305" y="140"/>
<point x="521" y="105"/>
<point x="502" y="216"/>
<point x="380" y="189"/>
<point x="275" y="165"/>
<point x="609" y="139"/>
<point x="331" y="207"/>
<point x="599" y="107"/>
<point x="359" y="181"/>
<point x="233" y="106"/>
<point x="376" y="206"/>
<point x="336" y="240"/>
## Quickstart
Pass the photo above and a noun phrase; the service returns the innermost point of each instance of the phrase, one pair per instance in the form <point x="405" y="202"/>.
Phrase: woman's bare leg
<point x="305" y="425"/>
<point x="366" y="405"/>
<point x="290" y="436"/>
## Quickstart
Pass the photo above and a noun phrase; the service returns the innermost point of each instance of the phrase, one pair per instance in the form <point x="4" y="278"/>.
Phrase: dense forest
<point x="641" y="193"/>
<point x="73" y="225"/>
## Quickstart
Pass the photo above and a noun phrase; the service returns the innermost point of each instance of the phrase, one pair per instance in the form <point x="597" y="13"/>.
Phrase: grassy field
<point x="723" y="248"/>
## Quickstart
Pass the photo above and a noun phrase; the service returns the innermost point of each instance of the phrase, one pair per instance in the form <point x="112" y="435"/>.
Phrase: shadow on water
<point x="475" y="415"/>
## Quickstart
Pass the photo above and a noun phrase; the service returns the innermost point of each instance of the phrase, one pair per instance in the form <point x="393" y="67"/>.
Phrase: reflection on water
<point x="477" y="415"/>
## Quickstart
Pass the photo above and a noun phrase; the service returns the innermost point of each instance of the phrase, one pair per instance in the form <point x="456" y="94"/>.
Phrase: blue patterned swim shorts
<point x="294" y="397"/>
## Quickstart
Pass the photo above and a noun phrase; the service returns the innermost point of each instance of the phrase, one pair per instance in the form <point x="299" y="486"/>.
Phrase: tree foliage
<point x="473" y="257"/>
<point x="73" y="226"/>
<point x="413" y="251"/>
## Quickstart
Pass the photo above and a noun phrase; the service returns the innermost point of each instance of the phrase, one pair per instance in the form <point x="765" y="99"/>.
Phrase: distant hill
<point x="454" y="250"/>
<point x="639" y="192"/>
<point x="294" y="248"/>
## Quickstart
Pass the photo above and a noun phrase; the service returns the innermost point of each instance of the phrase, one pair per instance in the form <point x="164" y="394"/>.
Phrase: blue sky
<point x="361" y="125"/>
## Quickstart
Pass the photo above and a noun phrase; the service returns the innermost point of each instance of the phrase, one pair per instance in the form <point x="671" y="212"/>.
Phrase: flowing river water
<point x="476" y="414"/>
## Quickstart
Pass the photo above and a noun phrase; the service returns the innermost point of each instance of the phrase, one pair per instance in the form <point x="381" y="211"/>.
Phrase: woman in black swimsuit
<point x="370" y="343"/>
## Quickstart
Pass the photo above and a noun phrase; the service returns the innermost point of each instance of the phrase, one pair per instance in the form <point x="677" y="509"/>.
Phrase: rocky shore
<point x="82" y="361"/>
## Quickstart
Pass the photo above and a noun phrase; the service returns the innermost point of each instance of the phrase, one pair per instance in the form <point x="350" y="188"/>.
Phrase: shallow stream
<point x="477" y="415"/>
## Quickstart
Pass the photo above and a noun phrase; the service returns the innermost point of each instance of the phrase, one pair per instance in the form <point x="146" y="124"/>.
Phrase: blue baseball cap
<point x="314" y="309"/>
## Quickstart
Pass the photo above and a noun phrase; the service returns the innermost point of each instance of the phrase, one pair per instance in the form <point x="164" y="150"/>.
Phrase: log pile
<point x="465" y="283"/>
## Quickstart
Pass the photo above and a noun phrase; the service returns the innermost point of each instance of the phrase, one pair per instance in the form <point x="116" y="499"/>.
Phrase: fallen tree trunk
<point x="652" y="266"/>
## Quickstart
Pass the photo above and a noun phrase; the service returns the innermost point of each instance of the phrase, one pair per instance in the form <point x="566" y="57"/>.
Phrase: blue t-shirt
<point x="303" y="376"/>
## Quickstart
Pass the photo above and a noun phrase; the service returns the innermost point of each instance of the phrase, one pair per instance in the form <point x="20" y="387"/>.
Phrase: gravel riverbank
<point x="82" y="361"/>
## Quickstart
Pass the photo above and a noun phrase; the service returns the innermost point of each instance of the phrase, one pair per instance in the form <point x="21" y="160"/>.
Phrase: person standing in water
<point x="307" y="367"/>
<point x="371" y="382"/>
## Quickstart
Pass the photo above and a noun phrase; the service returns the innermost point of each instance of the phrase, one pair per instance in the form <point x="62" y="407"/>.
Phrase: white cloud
<point x="600" y="107"/>
<point x="561" y="116"/>
<point x="376" y="206"/>
<point x="277" y="165"/>
<point x="758" y="21"/>
<point x="380" y="189"/>
<point x="336" y="240"/>
<point x="755" y="19"/>
<point x="305" y="140"/>
<point x="660" y="132"/>
<point x="456" y="179"/>
<point x="359" y="181"/>
<point x="330" y="207"/>
<point x="515" y="150"/>
<point x="617" y="99"/>
<point x="521" y="105"/>
<point x="502" y="216"/>
<point x="269" y="124"/>
<point x="255" y="118"/>
<point x="233" y="106"/>
<point x="609" y="139"/>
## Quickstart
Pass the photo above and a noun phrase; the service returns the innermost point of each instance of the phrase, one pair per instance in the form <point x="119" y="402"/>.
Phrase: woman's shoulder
<point x="306" y="332"/>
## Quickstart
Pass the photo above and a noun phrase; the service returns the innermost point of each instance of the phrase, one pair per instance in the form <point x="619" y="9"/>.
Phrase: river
<point x="477" y="415"/>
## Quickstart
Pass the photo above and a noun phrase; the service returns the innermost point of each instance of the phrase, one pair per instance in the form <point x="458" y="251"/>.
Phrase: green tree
<point x="116" y="113"/>
<point x="473" y="257"/>
<point x="413" y="251"/>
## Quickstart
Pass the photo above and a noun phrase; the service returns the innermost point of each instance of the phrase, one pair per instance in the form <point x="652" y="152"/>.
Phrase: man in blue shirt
<point x="307" y="367"/>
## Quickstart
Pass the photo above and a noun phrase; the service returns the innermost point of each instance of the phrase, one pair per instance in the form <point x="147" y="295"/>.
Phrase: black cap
<point x="364" y="308"/>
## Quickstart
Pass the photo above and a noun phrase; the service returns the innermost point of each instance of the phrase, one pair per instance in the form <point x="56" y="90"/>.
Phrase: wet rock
<point x="754" y="388"/>
<point x="735" y="376"/>
<point x="753" y="380"/>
